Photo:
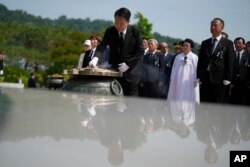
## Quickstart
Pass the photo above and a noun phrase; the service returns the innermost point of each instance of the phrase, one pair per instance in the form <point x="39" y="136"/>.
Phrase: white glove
<point x="123" y="67"/>
<point x="225" y="82"/>
<point x="93" y="62"/>
<point x="1" y="72"/>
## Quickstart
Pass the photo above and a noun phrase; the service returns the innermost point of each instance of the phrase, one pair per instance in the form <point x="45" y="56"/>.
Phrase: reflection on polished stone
<point x="84" y="130"/>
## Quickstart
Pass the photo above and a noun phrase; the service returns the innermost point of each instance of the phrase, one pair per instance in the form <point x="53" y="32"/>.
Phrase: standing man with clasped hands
<point x="215" y="65"/>
<point x="126" y="49"/>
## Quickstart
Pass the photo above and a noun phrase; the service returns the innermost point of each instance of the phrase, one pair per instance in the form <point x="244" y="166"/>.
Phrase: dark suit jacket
<point x="167" y="66"/>
<point x="152" y="68"/>
<point x="86" y="58"/>
<point x="132" y="49"/>
<point x="221" y="61"/>
<point x="240" y="69"/>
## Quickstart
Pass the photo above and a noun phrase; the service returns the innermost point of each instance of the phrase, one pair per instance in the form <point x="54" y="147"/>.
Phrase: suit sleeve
<point x="200" y="62"/>
<point x="228" y="63"/>
<point x="103" y="45"/>
<point x="138" y="51"/>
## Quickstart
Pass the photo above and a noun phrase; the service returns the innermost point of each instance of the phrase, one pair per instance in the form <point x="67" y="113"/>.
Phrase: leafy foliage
<point x="144" y="26"/>
<point x="13" y="73"/>
<point x="56" y="44"/>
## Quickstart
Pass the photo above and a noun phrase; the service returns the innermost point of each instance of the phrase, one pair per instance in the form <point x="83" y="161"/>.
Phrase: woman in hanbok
<point x="184" y="89"/>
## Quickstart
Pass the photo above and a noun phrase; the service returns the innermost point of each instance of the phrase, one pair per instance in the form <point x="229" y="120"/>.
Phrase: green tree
<point x="144" y="25"/>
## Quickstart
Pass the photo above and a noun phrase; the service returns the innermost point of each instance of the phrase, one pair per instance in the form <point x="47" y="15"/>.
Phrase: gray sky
<point x="175" y="18"/>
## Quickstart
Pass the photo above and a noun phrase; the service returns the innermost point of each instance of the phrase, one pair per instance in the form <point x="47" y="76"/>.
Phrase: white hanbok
<point x="183" y="78"/>
<point x="183" y="91"/>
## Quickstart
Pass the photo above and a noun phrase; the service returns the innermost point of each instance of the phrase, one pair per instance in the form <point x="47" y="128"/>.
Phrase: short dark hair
<point x="123" y="12"/>
<point x="99" y="39"/>
<point x="221" y="20"/>
<point x="188" y="41"/>
<point x="240" y="38"/>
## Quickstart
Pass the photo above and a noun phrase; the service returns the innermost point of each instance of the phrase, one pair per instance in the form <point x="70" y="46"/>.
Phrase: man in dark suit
<point x="247" y="48"/>
<point x="151" y="74"/>
<point x="215" y="65"/>
<point x="240" y="73"/>
<point x="166" y="67"/>
<point x="126" y="49"/>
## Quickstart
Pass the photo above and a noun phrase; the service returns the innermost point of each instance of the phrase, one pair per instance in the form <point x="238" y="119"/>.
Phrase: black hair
<point x="123" y="12"/>
<point x="188" y="41"/>
<point x="240" y="38"/>
<point x="221" y="20"/>
<point x="99" y="39"/>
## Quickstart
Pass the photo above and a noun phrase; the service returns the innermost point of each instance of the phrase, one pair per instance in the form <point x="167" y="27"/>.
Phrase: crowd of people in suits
<point x="219" y="73"/>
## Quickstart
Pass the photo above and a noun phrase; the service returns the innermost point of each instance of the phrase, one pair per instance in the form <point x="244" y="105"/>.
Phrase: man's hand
<point x="93" y="62"/>
<point x="197" y="82"/>
<point x="123" y="67"/>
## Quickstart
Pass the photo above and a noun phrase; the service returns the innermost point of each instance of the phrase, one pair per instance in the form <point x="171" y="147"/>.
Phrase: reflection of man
<point x="126" y="49"/>
<point x="213" y="126"/>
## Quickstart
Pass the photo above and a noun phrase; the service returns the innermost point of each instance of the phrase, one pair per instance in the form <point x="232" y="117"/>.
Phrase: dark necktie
<point x="151" y="57"/>
<point x="91" y="54"/>
<point x="238" y="57"/>
<point x="213" y="45"/>
<point x="121" y="40"/>
<point x="238" y="62"/>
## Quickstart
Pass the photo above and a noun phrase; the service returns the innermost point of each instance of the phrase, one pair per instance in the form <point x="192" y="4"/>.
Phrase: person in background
<point x="32" y="81"/>
<point x="126" y="50"/>
<point x="247" y="49"/>
<point x="177" y="50"/>
<point x="240" y="73"/>
<point x="95" y="41"/>
<point x="215" y="65"/>
<point x="86" y="46"/>
<point x="145" y="45"/>
<point x="140" y="85"/>
<point x="1" y="63"/>
<point x="151" y="78"/>
<point x="224" y="35"/>
<point x="183" y="83"/>
<point x="166" y="67"/>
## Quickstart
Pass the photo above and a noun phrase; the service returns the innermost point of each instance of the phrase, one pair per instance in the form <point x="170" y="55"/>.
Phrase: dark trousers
<point x="151" y="89"/>
<point x="164" y="90"/>
<point x="141" y="90"/>
<point x="130" y="88"/>
<point x="213" y="92"/>
<point x="239" y="93"/>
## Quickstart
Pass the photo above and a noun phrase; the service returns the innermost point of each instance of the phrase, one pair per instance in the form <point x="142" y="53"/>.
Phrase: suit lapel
<point x="243" y="58"/>
<point x="219" y="45"/>
<point x="127" y="37"/>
